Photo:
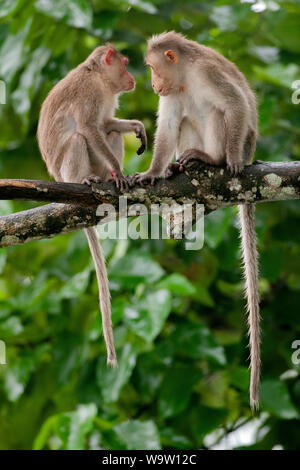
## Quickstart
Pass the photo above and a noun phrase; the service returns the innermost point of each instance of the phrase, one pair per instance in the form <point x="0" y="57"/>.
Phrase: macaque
<point x="81" y="142"/>
<point x="207" y="112"/>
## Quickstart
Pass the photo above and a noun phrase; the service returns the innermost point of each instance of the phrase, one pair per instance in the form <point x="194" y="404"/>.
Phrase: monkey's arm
<point x="124" y="125"/>
<point x="166" y="136"/>
<point x="231" y="99"/>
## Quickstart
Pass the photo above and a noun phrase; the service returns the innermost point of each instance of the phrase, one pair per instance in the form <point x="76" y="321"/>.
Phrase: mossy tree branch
<point x="211" y="186"/>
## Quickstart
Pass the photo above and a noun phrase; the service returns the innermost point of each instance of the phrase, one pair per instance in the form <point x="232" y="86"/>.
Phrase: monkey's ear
<point x="108" y="56"/>
<point x="171" y="56"/>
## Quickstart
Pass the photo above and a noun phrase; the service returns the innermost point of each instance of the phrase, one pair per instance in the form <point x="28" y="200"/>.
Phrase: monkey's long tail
<point x="104" y="294"/>
<point x="250" y="264"/>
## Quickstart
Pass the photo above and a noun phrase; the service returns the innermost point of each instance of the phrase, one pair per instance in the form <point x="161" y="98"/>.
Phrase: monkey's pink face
<point x="119" y="75"/>
<point x="126" y="78"/>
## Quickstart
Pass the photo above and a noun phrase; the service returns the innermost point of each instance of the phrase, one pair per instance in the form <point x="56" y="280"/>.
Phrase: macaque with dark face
<point x="81" y="141"/>
<point x="207" y="112"/>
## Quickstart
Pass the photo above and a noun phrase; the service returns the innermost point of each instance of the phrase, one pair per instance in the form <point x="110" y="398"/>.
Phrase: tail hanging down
<point x="250" y="265"/>
<point x="104" y="294"/>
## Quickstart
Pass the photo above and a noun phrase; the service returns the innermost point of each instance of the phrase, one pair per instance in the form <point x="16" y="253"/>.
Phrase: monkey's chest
<point x="197" y="111"/>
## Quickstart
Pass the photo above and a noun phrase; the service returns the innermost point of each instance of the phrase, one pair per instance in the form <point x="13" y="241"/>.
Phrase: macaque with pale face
<point x="207" y="112"/>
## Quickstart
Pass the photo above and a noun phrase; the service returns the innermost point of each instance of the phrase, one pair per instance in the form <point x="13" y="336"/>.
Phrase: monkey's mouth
<point x="164" y="92"/>
<point x="130" y="82"/>
<point x="131" y="85"/>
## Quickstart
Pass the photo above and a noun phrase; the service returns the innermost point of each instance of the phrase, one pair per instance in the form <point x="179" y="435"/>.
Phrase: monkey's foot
<point x="190" y="155"/>
<point x="91" y="179"/>
<point x="173" y="169"/>
<point x="122" y="181"/>
<point x="235" y="168"/>
<point x="142" y="178"/>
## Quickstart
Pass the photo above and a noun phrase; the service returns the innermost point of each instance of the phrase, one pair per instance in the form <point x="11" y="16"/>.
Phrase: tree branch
<point x="200" y="183"/>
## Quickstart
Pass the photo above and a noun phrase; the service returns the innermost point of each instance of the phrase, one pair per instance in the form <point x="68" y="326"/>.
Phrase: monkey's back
<point x="60" y="112"/>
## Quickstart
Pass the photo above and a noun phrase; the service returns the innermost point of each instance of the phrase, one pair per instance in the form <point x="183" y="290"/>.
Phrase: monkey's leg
<point x="236" y="132"/>
<point x="116" y="143"/>
<point x="189" y="145"/>
<point x="249" y="147"/>
<point x="194" y="154"/>
<point x="212" y="150"/>
<point x="189" y="138"/>
<point x="215" y="137"/>
<point x="76" y="150"/>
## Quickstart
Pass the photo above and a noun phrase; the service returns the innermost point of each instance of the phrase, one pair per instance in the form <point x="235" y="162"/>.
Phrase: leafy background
<point x="178" y="315"/>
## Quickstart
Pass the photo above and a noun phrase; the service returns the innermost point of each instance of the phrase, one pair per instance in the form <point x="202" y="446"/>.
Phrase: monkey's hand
<point x="140" y="134"/>
<point x="235" y="167"/>
<point x="142" y="178"/>
<point x="173" y="169"/>
<point x="120" y="180"/>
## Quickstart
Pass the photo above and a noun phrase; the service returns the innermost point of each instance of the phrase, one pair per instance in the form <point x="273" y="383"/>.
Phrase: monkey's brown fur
<point x="207" y="111"/>
<point x="81" y="141"/>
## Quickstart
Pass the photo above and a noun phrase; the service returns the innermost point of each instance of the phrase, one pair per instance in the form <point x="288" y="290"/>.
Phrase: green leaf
<point x="13" y="53"/>
<point x="240" y="378"/>
<point x="178" y="284"/>
<point x="68" y="429"/>
<point x="73" y="427"/>
<point x="197" y="341"/>
<point x="171" y="439"/>
<point x="7" y="7"/>
<point x="19" y="372"/>
<point x="147" y="7"/>
<point x="139" y="435"/>
<point x="147" y="316"/>
<point x="229" y="18"/>
<point x="69" y="353"/>
<point x="278" y="74"/>
<point x="275" y="398"/>
<point x="29" y="80"/>
<point x="76" y="13"/>
<point x="176" y="389"/>
<point x="217" y="225"/>
<point x="6" y="208"/>
<point x="111" y="380"/>
<point x="2" y="259"/>
<point x="203" y="296"/>
<point x="133" y="269"/>
<point x="205" y="420"/>
<point x="76" y="285"/>
<point x="11" y="326"/>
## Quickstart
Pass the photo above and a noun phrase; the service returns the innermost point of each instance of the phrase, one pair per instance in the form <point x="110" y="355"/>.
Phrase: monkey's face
<point x="164" y="74"/>
<point x="127" y="82"/>
<point x="119" y="76"/>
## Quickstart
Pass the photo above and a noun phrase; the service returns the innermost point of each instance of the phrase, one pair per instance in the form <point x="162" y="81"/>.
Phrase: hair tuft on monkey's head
<point x="171" y="40"/>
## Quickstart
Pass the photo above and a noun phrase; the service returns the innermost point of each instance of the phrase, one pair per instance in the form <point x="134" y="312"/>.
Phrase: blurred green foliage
<point x="178" y="315"/>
